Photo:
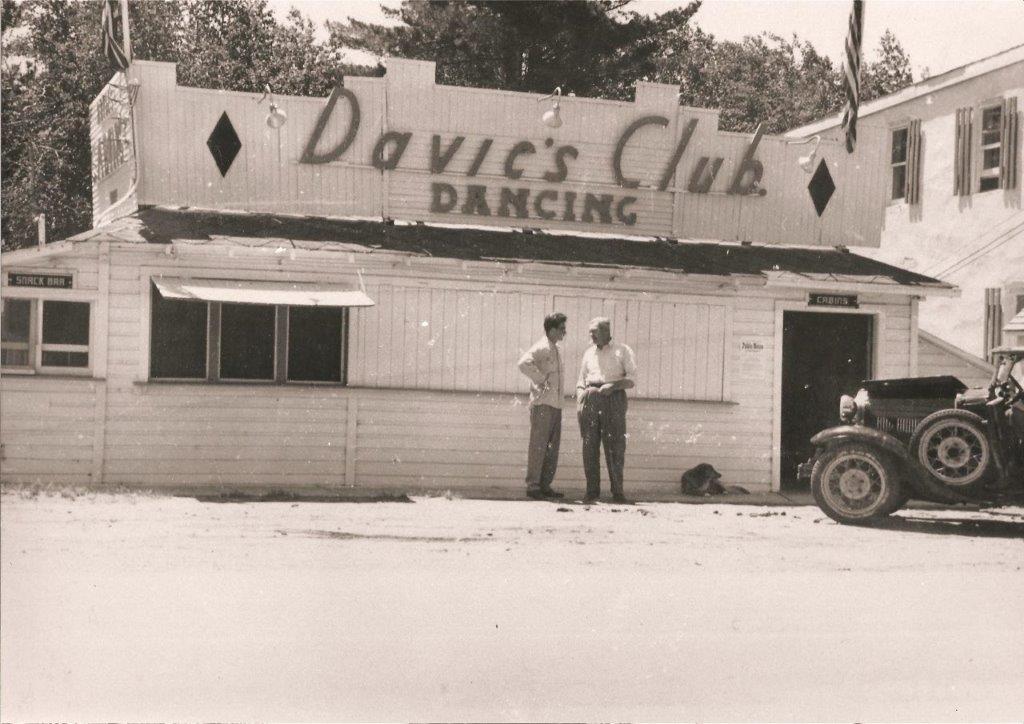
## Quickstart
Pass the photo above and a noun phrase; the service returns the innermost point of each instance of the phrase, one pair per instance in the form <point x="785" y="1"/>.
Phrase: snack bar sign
<point x="40" y="281"/>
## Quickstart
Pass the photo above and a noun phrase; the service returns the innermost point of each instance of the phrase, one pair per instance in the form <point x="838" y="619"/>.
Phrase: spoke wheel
<point x="855" y="483"/>
<point x="951" y="445"/>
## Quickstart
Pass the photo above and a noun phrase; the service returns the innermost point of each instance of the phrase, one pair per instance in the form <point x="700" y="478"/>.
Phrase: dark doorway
<point x="823" y="356"/>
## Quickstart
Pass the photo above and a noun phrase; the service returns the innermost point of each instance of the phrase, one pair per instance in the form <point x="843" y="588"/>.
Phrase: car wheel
<point x="952" y="447"/>
<point x="855" y="483"/>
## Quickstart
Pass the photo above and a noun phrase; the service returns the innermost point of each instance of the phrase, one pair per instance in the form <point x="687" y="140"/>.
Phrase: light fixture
<point x="807" y="162"/>
<point x="275" y="116"/>
<point x="551" y="117"/>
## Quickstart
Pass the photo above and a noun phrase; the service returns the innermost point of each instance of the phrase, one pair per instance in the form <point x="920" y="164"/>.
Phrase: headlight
<point x="847" y="409"/>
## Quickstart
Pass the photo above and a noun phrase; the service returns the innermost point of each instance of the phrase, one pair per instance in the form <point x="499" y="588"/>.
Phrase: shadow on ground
<point x="954" y="526"/>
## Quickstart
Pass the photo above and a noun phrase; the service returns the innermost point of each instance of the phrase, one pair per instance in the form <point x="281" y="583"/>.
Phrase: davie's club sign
<point x="524" y="202"/>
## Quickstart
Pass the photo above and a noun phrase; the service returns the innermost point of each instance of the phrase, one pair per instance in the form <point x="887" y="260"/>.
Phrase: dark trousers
<point x="603" y="421"/>
<point x="545" y="438"/>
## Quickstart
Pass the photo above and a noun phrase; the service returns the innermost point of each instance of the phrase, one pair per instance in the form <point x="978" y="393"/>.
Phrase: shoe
<point x="591" y="499"/>
<point x="553" y="494"/>
<point x="535" y="494"/>
<point x="621" y="500"/>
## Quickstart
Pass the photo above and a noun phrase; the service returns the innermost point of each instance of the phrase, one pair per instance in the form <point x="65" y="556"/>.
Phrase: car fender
<point x="860" y="433"/>
<point x="924" y="487"/>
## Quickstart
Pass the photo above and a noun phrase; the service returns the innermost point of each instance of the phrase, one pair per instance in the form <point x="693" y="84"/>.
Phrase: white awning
<point x="296" y="294"/>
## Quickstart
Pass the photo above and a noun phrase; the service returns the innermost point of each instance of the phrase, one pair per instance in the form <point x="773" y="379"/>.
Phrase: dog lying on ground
<point x="703" y="479"/>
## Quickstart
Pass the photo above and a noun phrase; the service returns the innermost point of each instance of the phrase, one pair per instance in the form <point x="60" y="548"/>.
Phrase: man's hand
<point x="606" y="389"/>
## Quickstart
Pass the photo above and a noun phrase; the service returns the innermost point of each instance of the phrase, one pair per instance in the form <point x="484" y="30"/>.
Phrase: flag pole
<point x="125" y="31"/>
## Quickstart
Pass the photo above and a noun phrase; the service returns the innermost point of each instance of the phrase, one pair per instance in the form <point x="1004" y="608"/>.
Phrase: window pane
<point x="990" y="122"/>
<point x="247" y="342"/>
<point x="65" y="359"/>
<point x="991" y="158"/>
<point x="177" y="338"/>
<point x="899" y="145"/>
<point x="989" y="183"/>
<point x="899" y="181"/>
<point x="14" y="357"/>
<point x="65" y="323"/>
<point x="314" y="343"/>
<point x="15" y="320"/>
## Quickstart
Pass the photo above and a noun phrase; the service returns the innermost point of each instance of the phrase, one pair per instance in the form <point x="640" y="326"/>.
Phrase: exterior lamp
<point x="551" y="117"/>
<point x="807" y="162"/>
<point x="275" y="116"/>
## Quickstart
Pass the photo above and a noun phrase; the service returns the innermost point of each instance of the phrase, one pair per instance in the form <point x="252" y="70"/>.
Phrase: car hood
<point x="944" y="386"/>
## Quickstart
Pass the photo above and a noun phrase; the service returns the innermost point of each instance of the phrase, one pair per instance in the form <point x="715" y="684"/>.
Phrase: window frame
<point x="905" y="163"/>
<point x="996" y="172"/>
<point x="280" y="345"/>
<point x="36" y="346"/>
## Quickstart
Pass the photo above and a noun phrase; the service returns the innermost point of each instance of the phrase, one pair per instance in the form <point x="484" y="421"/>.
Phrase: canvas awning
<point x="238" y="291"/>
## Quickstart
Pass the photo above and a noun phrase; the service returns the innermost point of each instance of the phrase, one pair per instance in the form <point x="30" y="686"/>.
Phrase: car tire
<point x="856" y="484"/>
<point x="953" y="449"/>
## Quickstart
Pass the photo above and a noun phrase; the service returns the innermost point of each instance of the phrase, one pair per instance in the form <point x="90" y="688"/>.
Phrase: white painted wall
<point x="946" y="228"/>
<point x="409" y="434"/>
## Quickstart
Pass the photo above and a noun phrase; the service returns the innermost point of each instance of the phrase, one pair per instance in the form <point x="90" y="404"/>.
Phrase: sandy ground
<point x="139" y="607"/>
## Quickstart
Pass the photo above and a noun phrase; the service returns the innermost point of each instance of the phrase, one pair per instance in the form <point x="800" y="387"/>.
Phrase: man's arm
<point x="581" y="381"/>
<point x="528" y="366"/>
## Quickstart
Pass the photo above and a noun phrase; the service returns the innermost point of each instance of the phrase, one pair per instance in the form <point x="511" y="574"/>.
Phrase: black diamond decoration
<point x="224" y="144"/>
<point x="821" y="187"/>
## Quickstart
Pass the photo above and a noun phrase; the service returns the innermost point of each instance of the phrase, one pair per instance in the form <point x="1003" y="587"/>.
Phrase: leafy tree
<point x="890" y="73"/>
<point x="588" y="48"/>
<point x="53" y="68"/>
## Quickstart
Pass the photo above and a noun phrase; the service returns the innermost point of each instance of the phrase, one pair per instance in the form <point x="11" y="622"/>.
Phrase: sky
<point x="937" y="35"/>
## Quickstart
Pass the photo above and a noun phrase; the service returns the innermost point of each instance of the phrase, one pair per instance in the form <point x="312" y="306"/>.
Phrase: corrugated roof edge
<point x="162" y="225"/>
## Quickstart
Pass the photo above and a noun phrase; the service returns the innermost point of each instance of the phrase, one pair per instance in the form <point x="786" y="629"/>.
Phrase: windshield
<point x="1008" y="367"/>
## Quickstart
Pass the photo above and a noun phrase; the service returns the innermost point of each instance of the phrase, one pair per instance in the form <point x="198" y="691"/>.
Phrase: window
<point x="61" y="328"/>
<point x="221" y="341"/>
<point x="991" y="147"/>
<point x="16" y="323"/>
<point x="177" y="338"/>
<point x="899" y="163"/>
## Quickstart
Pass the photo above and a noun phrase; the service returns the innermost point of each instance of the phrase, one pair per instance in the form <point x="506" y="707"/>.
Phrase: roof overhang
<point x="874" y="284"/>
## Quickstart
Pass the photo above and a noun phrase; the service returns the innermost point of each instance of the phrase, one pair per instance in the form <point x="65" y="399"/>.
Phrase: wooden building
<point x="339" y="299"/>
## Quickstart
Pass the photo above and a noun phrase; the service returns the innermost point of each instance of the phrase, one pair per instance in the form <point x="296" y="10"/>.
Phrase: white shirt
<point x="542" y="363"/>
<point x="613" y="362"/>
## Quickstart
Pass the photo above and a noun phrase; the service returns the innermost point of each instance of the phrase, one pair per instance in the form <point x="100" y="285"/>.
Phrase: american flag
<point x="111" y="49"/>
<point x="852" y="68"/>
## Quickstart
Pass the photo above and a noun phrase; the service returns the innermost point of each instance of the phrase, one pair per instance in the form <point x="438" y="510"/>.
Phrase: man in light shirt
<point x="542" y="363"/>
<point x="608" y="369"/>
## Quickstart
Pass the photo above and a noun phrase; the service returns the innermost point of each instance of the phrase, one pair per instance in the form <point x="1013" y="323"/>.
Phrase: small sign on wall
<point x="40" y="281"/>
<point x="753" y="360"/>
<point x="824" y="299"/>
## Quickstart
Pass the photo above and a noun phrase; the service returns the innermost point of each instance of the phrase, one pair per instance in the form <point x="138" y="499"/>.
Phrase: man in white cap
<point x="608" y="369"/>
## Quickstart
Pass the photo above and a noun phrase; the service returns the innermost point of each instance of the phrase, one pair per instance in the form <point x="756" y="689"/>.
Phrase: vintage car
<point x="928" y="438"/>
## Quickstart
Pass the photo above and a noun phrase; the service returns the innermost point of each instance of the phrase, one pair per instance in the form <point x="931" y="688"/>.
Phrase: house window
<point x="177" y="338"/>
<point x="991" y="147"/>
<point x="62" y="331"/>
<point x="899" y="163"/>
<point x="14" y="339"/>
<point x="221" y="341"/>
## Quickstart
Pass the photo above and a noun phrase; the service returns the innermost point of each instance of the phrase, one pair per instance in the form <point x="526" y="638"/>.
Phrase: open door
<point x="823" y="356"/>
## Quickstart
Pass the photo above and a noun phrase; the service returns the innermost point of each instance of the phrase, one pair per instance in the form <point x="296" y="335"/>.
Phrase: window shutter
<point x="913" y="189"/>
<point x="1008" y="163"/>
<point x="962" y="161"/>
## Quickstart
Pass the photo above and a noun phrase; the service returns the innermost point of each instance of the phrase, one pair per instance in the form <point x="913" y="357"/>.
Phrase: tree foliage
<point x="52" y="68"/>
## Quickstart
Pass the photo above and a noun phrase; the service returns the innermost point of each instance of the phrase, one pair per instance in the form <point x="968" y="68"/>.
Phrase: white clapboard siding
<point x="444" y="339"/>
<point x="679" y="346"/>
<point x="47" y="429"/>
